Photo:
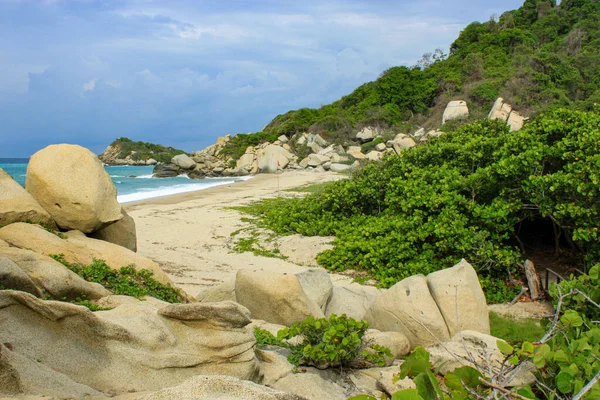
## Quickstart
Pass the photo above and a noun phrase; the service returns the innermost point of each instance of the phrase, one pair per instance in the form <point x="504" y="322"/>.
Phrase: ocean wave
<point x="169" y="190"/>
<point x="117" y="176"/>
<point x="183" y="176"/>
<point x="149" y="176"/>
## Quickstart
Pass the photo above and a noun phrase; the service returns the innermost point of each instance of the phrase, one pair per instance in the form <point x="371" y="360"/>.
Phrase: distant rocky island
<point x="124" y="151"/>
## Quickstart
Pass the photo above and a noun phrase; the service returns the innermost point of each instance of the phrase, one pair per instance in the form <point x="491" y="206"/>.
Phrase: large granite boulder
<point x="275" y="298"/>
<point x="13" y="277"/>
<point x="339" y="167"/>
<point x="273" y="158"/>
<point x="121" y="232"/>
<point x="402" y="144"/>
<point x="460" y="298"/>
<point x="317" y="285"/>
<point x="51" y="277"/>
<point x="77" y="248"/>
<point x="351" y="299"/>
<point x="166" y="171"/>
<point x="245" y="161"/>
<point x="367" y="134"/>
<point x="17" y="205"/>
<point x="408" y="308"/>
<point x="504" y="112"/>
<point x="455" y="110"/>
<point x="138" y="346"/>
<point x="183" y="161"/>
<point x="223" y="292"/>
<point x="70" y="183"/>
<point x="218" y="387"/>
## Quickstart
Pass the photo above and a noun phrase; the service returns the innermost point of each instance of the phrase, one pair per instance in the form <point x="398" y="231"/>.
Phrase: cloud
<point x="183" y="72"/>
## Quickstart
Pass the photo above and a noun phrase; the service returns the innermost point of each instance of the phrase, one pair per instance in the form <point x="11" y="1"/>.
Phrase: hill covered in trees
<point x="126" y="151"/>
<point x="539" y="57"/>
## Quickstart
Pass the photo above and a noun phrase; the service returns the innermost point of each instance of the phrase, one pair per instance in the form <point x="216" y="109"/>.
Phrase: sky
<point x="184" y="72"/>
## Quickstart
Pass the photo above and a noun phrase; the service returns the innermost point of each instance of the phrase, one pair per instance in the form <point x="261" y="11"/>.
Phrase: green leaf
<point x="571" y="318"/>
<point x="527" y="347"/>
<point x="407" y="394"/>
<point x="504" y="347"/>
<point x="428" y="386"/>
<point x="564" y="382"/>
<point x="469" y="376"/>
<point x="362" y="397"/>
<point x="595" y="272"/>
<point x="526" y="391"/>
<point x="415" y="364"/>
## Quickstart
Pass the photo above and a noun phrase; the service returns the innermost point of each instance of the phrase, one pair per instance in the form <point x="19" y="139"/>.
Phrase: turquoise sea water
<point x="133" y="183"/>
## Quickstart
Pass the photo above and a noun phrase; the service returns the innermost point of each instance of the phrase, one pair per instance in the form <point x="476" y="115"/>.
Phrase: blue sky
<point x="183" y="72"/>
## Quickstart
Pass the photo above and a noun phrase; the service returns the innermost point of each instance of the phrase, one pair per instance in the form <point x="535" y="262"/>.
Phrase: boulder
<point x="395" y="341"/>
<point x="455" y="110"/>
<point x="17" y="205"/>
<point x="223" y="292"/>
<point x="14" y="278"/>
<point x="504" y="112"/>
<point x="183" y="161"/>
<point x="367" y="134"/>
<point x="402" y="144"/>
<point x="70" y="183"/>
<point x="314" y="160"/>
<point x="374" y="155"/>
<point x="408" y="308"/>
<point x="380" y="147"/>
<point x="53" y="278"/>
<point x="327" y="166"/>
<point x="151" y="161"/>
<point x="339" y="167"/>
<point x="356" y="152"/>
<point x="317" y="285"/>
<point x="218" y="387"/>
<point x="275" y="298"/>
<point x="304" y="162"/>
<point x="310" y="387"/>
<point x="121" y="233"/>
<point x="245" y="161"/>
<point x="274" y="364"/>
<point x="273" y="158"/>
<point x="77" y="248"/>
<point x="351" y="299"/>
<point x="467" y="347"/>
<point x="283" y="139"/>
<point x="460" y="298"/>
<point x="166" y="171"/>
<point x="134" y="347"/>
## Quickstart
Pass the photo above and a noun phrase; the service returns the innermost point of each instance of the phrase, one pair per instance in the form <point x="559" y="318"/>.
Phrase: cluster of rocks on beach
<point x="203" y="347"/>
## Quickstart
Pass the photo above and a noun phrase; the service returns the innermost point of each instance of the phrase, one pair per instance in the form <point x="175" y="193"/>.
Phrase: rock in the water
<point x="408" y="308"/>
<point x="276" y="298"/>
<point x="459" y="297"/>
<point x="17" y="205"/>
<point x="317" y="285"/>
<point x="455" y="110"/>
<point x="71" y="184"/>
<point x="121" y="232"/>
<point x="273" y="158"/>
<point x="52" y="277"/>
<point x="166" y="171"/>
<point x="218" y="387"/>
<point x="77" y="248"/>
<point x="351" y="299"/>
<point x="130" y="348"/>
<point x="183" y="161"/>
<point x="13" y="277"/>
<point x="339" y="167"/>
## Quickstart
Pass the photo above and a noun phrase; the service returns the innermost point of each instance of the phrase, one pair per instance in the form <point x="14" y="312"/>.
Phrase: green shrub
<point x="332" y="342"/>
<point x="265" y="338"/>
<point x="126" y="281"/>
<point x="144" y="150"/>
<point x="237" y="145"/>
<point x="367" y="147"/>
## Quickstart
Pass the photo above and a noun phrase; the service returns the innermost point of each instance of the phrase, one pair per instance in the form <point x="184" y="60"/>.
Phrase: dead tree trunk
<point x="533" y="281"/>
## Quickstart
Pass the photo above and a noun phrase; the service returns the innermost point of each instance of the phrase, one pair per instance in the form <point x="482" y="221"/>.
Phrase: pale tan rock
<point x="276" y="298"/>
<point x="317" y="285"/>
<point x="218" y="387"/>
<point x="121" y="233"/>
<point x="69" y="182"/>
<point x="53" y="277"/>
<point x="273" y="158"/>
<point x="408" y="308"/>
<point x="455" y="110"/>
<point x="14" y="278"/>
<point x="351" y="299"/>
<point x="460" y="298"/>
<point x="395" y="341"/>
<point x="183" y="161"/>
<point x="339" y="167"/>
<point x="402" y="144"/>
<point x="314" y="160"/>
<point x="504" y="112"/>
<point x="310" y="386"/>
<point x="274" y="365"/>
<point x="129" y="348"/>
<point x="222" y="292"/>
<point x="374" y="155"/>
<point x="380" y="147"/>
<point x="77" y="248"/>
<point x="368" y="133"/>
<point x="17" y="205"/>
<point x="228" y="314"/>
<point x="245" y="161"/>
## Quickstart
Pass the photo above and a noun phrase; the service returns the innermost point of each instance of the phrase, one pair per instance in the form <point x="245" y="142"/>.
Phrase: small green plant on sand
<point x="126" y="281"/>
<point x="516" y="331"/>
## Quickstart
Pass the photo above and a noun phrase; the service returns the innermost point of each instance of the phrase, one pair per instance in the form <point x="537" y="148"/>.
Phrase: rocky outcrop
<point x="504" y="112"/>
<point x="456" y="109"/>
<point x="13" y="277"/>
<point x="273" y="158"/>
<point x="351" y="299"/>
<point x="135" y="347"/>
<point x="17" y="205"/>
<point x="121" y="232"/>
<point x="425" y="308"/>
<point x="367" y="134"/>
<point x="69" y="182"/>
<point x="183" y="161"/>
<point x="77" y="248"/>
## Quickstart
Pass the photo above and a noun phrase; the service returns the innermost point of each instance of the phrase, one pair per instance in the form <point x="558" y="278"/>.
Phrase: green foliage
<point x="311" y="188"/>
<point x="126" y="281"/>
<point x="237" y="145"/>
<point x="144" y="150"/>
<point x="369" y="146"/>
<point x="460" y="196"/>
<point x="332" y="342"/>
<point x="265" y="338"/>
<point x="515" y="330"/>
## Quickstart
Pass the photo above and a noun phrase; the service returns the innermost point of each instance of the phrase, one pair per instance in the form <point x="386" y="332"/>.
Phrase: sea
<point x="133" y="183"/>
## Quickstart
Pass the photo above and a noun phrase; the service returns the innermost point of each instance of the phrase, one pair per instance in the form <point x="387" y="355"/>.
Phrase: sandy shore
<point x="190" y="234"/>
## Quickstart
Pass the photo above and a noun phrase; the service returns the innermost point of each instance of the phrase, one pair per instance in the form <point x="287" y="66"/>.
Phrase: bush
<point x="237" y="145"/>
<point x="145" y="150"/>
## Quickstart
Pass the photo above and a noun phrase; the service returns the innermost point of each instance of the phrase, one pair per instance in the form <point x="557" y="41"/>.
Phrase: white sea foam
<point x="149" y="176"/>
<point x="170" y="190"/>
<point x="117" y="176"/>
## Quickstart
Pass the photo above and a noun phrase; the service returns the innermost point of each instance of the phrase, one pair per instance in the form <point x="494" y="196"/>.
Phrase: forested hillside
<point x="541" y="56"/>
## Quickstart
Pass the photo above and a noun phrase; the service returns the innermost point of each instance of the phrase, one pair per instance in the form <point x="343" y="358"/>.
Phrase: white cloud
<point x="89" y="85"/>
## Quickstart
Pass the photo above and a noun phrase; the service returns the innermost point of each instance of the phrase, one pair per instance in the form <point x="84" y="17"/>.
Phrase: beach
<point x="190" y="235"/>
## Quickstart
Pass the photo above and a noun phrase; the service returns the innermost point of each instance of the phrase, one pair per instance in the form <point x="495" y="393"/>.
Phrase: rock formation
<point x="504" y="112"/>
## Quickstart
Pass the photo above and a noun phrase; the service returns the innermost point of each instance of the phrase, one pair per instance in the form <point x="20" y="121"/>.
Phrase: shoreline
<point x="192" y="235"/>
